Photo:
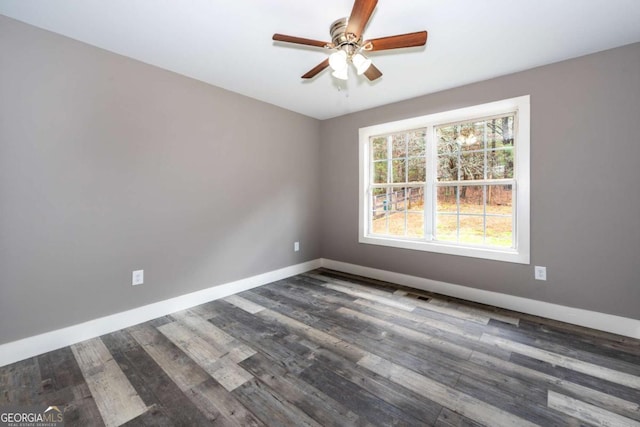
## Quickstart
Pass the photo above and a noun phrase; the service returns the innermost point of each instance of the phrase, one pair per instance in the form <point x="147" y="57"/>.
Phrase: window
<point x="455" y="182"/>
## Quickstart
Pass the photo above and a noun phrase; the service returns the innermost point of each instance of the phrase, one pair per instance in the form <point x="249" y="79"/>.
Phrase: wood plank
<point x="155" y="416"/>
<point x="477" y="310"/>
<point x="448" y="418"/>
<point x="204" y="329"/>
<point x="270" y="407"/>
<point x="177" y="365"/>
<point x="114" y="395"/>
<point x="319" y="406"/>
<point x="210" y="394"/>
<point x="81" y="409"/>
<point x="458" y="402"/>
<point x="244" y="304"/>
<point x="588" y="413"/>
<point x="370" y="296"/>
<point x="359" y="400"/>
<point x="60" y="368"/>
<point x="215" y="363"/>
<point x="291" y="310"/>
<point x="215" y="336"/>
<point x="20" y="382"/>
<point x="565" y="361"/>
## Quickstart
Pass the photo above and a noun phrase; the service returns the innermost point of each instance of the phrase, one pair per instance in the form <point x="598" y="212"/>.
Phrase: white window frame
<point x="521" y="251"/>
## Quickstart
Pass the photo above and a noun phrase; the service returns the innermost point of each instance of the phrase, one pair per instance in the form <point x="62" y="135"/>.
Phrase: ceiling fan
<point x="346" y="39"/>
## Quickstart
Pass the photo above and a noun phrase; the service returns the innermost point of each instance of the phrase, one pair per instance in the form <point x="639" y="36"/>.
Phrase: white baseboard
<point x="35" y="345"/>
<point x="591" y="319"/>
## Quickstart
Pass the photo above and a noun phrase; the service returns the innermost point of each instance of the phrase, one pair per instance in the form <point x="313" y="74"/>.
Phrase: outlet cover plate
<point x="137" y="278"/>
<point x="540" y="272"/>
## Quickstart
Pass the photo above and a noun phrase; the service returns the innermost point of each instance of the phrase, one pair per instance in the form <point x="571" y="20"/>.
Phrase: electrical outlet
<point x="137" y="278"/>
<point x="540" y="273"/>
<point x="296" y="246"/>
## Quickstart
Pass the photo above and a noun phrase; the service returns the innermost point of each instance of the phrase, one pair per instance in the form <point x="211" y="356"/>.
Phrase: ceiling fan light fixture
<point x="341" y="74"/>
<point x="338" y="60"/>
<point x="361" y="62"/>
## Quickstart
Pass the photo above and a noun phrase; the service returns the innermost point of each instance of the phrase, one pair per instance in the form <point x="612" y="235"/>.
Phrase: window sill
<point x="506" y="255"/>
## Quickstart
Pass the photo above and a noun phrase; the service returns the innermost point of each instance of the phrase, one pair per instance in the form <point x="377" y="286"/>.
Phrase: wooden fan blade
<point x="373" y="73"/>
<point x="315" y="70"/>
<point x="360" y="15"/>
<point x="399" y="41"/>
<point x="299" y="40"/>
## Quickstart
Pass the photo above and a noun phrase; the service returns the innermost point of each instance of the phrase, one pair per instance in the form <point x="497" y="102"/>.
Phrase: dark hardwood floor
<point x="329" y="349"/>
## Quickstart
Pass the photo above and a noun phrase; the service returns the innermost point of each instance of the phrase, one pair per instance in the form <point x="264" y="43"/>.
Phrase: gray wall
<point x="109" y="165"/>
<point x="585" y="185"/>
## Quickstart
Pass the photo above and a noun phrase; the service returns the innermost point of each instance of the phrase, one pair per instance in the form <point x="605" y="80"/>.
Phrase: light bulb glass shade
<point x="361" y="62"/>
<point x="338" y="60"/>
<point x="341" y="74"/>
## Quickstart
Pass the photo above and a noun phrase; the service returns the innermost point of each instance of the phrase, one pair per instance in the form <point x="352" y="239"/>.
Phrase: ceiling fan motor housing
<point x="339" y="36"/>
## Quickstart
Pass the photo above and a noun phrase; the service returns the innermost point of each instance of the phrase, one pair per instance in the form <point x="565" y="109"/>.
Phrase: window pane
<point x="499" y="199"/>
<point x="470" y="136"/>
<point x="447" y="199"/>
<point x="417" y="169"/>
<point x="379" y="172"/>
<point x="397" y="223"/>
<point x="472" y="166"/>
<point x="472" y="229"/>
<point x="399" y="170"/>
<point x="447" y="228"/>
<point x="500" y="132"/>
<point x="447" y="168"/>
<point x="500" y="164"/>
<point x="471" y="199"/>
<point x="379" y="150"/>
<point x="379" y="207"/>
<point x="398" y="199"/>
<point x="378" y="201"/>
<point x="399" y="147"/>
<point x="499" y="231"/>
<point x="415" y="224"/>
<point x="417" y="143"/>
<point x="447" y="143"/>
<point x="379" y="224"/>
<point x="415" y="199"/>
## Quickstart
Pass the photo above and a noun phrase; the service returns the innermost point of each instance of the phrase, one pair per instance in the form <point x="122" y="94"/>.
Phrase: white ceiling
<point x="227" y="43"/>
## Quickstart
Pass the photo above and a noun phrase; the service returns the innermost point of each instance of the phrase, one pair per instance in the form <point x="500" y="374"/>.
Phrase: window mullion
<point x="431" y="159"/>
